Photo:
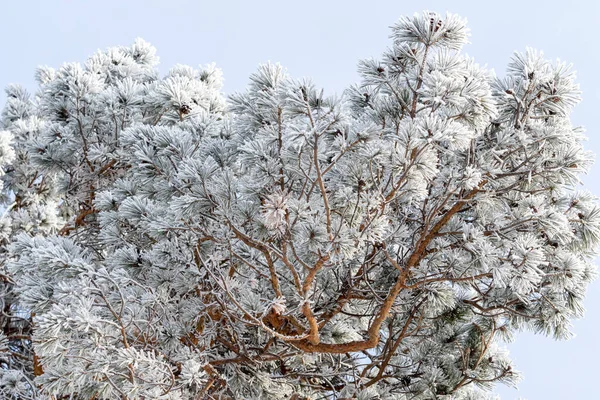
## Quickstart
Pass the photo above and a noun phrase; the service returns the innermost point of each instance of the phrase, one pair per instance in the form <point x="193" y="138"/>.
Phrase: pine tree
<point x="162" y="241"/>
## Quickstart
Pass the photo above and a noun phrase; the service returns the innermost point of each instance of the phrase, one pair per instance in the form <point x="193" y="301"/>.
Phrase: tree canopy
<point x="163" y="241"/>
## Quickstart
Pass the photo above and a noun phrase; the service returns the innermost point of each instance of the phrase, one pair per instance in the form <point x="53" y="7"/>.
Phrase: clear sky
<point x="324" y="40"/>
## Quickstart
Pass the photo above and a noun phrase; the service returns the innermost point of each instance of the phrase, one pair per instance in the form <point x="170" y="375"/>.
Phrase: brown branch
<point x="263" y="249"/>
<point x="392" y="351"/>
<point x="79" y="221"/>
<point x="373" y="333"/>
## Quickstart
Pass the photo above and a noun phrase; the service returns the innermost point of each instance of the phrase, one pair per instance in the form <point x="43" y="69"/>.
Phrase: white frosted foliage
<point x="160" y="240"/>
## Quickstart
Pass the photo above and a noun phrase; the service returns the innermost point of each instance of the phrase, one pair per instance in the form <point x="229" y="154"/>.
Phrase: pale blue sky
<point x="324" y="40"/>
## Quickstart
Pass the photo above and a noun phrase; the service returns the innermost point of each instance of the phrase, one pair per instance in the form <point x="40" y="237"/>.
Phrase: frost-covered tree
<point x="163" y="242"/>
